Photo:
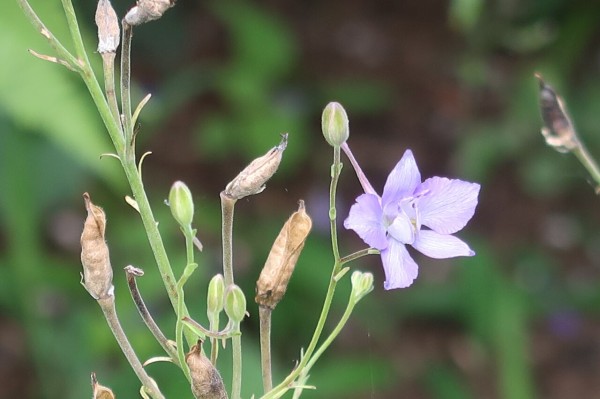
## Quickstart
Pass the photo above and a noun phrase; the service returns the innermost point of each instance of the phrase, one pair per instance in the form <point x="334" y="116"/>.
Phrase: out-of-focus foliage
<point x="453" y="81"/>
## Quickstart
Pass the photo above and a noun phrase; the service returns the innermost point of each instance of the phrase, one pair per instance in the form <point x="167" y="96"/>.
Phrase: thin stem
<point x="75" y="33"/>
<point x="108" y="308"/>
<point x="265" y="346"/>
<point x="52" y="40"/>
<point x="336" y="169"/>
<point x="126" y="88"/>
<point x="108" y="61"/>
<point x="132" y="273"/>
<point x="589" y="163"/>
<point x="358" y="254"/>
<point x="227" y="211"/>
<point x="214" y="344"/>
<point x="236" y="386"/>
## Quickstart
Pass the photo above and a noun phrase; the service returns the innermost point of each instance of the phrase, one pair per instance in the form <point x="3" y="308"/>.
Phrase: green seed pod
<point x="181" y="204"/>
<point x="334" y="123"/>
<point x="97" y="271"/>
<point x="216" y="295"/>
<point x="235" y="303"/>
<point x="282" y="259"/>
<point x="206" y="380"/>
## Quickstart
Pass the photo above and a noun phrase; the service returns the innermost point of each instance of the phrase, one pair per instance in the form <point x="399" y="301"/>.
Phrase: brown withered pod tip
<point x="280" y="264"/>
<point x="97" y="271"/>
<point x="206" y="380"/>
<point x="100" y="391"/>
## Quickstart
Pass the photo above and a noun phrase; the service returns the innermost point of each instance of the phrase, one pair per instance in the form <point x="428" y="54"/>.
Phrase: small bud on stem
<point x="97" y="271"/>
<point x="334" y="123"/>
<point x="181" y="204"/>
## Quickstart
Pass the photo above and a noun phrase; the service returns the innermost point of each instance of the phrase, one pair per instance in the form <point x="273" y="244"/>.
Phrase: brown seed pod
<point x="147" y="10"/>
<point x="252" y="179"/>
<point x="108" y="27"/>
<point x="206" y="380"/>
<point x="280" y="264"/>
<point x="100" y="391"/>
<point x="97" y="272"/>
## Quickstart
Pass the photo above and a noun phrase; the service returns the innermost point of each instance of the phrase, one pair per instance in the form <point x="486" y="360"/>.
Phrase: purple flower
<point x="423" y="215"/>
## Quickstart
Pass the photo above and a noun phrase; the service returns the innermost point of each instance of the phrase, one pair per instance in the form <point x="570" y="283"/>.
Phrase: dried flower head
<point x="108" y="27"/>
<point x="252" y="179"/>
<point x="147" y="10"/>
<point x="97" y="271"/>
<point x="206" y="380"/>
<point x="280" y="264"/>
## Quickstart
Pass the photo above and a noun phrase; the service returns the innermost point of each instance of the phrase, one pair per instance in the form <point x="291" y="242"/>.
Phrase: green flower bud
<point x="362" y="284"/>
<point x="181" y="203"/>
<point x="334" y="123"/>
<point x="216" y="295"/>
<point x="235" y="303"/>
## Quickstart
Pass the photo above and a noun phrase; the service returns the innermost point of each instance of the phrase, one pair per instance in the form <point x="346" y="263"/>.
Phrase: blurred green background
<point x="452" y="80"/>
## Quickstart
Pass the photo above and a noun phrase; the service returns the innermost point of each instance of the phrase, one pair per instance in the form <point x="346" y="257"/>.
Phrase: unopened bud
<point x="108" y="27"/>
<point x="252" y="179"/>
<point x="97" y="271"/>
<point x="334" y="123"/>
<point x="181" y="204"/>
<point x="235" y="304"/>
<point x="147" y="10"/>
<point x="206" y="380"/>
<point x="558" y="131"/>
<point x="280" y="264"/>
<point x="216" y="295"/>
<point x="362" y="284"/>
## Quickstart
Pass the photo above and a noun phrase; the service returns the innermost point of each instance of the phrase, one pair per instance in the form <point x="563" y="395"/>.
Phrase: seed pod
<point x="100" y="391"/>
<point x="108" y="27"/>
<point x="97" y="272"/>
<point x="280" y="264"/>
<point x="252" y="179"/>
<point x="558" y="131"/>
<point x="206" y="380"/>
<point x="147" y="10"/>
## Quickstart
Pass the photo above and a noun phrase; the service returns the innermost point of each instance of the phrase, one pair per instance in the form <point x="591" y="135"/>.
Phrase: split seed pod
<point x="252" y="179"/>
<point x="280" y="264"/>
<point x="97" y="271"/>
<point x="206" y="380"/>
<point x="100" y="391"/>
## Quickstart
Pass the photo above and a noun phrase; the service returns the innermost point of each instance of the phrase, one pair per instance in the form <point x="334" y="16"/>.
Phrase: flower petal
<point x="366" y="219"/>
<point x="400" y="269"/>
<point x="441" y="246"/>
<point x="448" y="204"/>
<point x="402" y="229"/>
<point x="403" y="179"/>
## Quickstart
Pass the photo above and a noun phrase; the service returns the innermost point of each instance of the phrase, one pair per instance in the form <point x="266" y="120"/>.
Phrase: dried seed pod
<point x="147" y="10"/>
<point x="108" y="27"/>
<point x="558" y="131"/>
<point x="100" y="391"/>
<point x="280" y="264"/>
<point x="97" y="272"/>
<point x="206" y="380"/>
<point x="252" y="179"/>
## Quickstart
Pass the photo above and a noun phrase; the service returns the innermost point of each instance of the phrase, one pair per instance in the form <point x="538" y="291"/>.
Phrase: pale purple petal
<point x="448" y="204"/>
<point x="402" y="229"/>
<point x="440" y="246"/>
<point x="400" y="269"/>
<point x="366" y="220"/>
<point x="403" y="180"/>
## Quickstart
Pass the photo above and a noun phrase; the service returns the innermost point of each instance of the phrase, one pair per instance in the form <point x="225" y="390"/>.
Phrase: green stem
<point x="126" y="89"/>
<point x="589" y="163"/>
<point x="108" y="61"/>
<point x="358" y="254"/>
<point x="75" y="33"/>
<point x="108" y="308"/>
<point x="265" y="346"/>
<point x="336" y="169"/>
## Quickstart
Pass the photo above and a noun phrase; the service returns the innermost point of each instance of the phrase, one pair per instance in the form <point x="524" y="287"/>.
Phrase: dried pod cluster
<point x="280" y="264"/>
<point x="97" y="271"/>
<point x="206" y="380"/>
<point x="252" y="179"/>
